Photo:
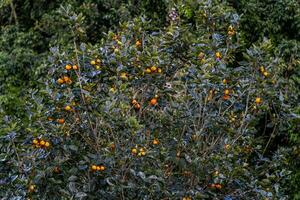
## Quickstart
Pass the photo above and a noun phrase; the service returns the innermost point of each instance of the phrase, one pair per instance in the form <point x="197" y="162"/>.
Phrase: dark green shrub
<point x="188" y="110"/>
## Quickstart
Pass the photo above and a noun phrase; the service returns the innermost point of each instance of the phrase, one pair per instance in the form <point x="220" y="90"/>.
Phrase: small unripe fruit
<point x="218" y="186"/>
<point x="75" y="67"/>
<point x="97" y="67"/>
<point x="112" y="90"/>
<point x="119" y="42"/>
<point x="66" y="79"/>
<point x="201" y="55"/>
<point x="231" y="33"/>
<point x="124" y="76"/>
<point x="113" y="146"/>
<point x="68" y="108"/>
<point x="31" y="188"/>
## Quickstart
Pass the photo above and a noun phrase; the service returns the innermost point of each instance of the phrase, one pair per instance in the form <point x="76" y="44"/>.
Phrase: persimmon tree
<point x="147" y="114"/>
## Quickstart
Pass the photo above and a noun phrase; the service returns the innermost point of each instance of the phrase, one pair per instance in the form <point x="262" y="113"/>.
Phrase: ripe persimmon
<point x="138" y="43"/>
<point x="75" y="67"/>
<point x="137" y="106"/>
<point x="218" y="55"/>
<point x="227" y="146"/>
<point x="134" y="150"/>
<point x="42" y="142"/>
<point x="226" y="97"/>
<point x="61" y="121"/>
<point x="94" y="167"/>
<point x="68" y="67"/>
<point x="60" y="81"/>
<point x="153" y="101"/>
<point x="133" y="102"/>
<point x="148" y="70"/>
<point x="218" y="186"/>
<point x="153" y="68"/>
<point x="47" y="144"/>
<point x="35" y="141"/>
<point x="155" y="142"/>
<point x="68" y="108"/>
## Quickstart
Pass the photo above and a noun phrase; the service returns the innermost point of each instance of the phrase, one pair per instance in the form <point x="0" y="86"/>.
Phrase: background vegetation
<point x="215" y="86"/>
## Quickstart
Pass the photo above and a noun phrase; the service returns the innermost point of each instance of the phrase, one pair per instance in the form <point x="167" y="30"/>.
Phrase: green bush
<point x="184" y="107"/>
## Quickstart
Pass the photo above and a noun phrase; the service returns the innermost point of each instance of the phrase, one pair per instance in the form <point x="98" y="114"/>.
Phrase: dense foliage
<point x="149" y="99"/>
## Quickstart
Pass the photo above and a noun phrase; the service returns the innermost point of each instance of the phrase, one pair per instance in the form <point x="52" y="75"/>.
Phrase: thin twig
<point x="13" y="10"/>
